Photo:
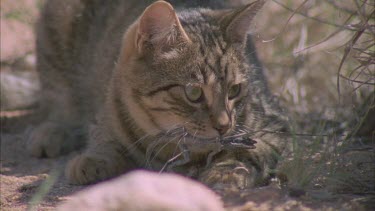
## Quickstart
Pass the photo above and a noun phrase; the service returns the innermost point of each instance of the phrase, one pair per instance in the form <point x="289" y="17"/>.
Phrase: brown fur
<point x="120" y="81"/>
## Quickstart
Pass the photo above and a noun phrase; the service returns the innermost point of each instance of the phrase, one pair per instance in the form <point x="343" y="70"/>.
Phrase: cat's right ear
<point x="236" y="24"/>
<point x="160" y="27"/>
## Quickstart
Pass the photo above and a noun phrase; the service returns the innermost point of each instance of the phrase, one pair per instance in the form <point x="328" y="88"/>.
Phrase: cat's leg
<point x="62" y="129"/>
<point x="229" y="172"/>
<point x="244" y="168"/>
<point x="52" y="138"/>
<point x="104" y="158"/>
<point x="99" y="162"/>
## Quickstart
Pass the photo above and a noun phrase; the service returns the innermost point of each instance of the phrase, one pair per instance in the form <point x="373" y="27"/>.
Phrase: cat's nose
<point x="222" y="129"/>
<point x="221" y="122"/>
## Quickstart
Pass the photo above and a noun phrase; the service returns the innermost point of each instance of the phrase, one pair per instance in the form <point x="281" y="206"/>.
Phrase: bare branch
<point x="314" y="18"/>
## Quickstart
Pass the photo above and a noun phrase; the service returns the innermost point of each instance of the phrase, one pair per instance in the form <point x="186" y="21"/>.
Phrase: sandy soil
<point x="22" y="176"/>
<point x="27" y="181"/>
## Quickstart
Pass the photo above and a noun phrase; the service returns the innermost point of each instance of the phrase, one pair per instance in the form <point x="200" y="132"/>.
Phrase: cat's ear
<point x="160" y="27"/>
<point x="237" y="23"/>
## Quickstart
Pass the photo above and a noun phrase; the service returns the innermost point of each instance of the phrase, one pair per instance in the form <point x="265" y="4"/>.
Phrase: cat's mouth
<point x="229" y="141"/>
<point x="188" y="138"/>
<point x="208" y="140"/>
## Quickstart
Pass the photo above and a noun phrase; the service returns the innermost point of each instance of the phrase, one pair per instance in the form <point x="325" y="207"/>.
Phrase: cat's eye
<point x="194" y="93"/>
<point x="234" y="91"/>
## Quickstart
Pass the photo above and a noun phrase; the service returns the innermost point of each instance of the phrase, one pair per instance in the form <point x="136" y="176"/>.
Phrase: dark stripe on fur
<point x="125" y="120"/>
<point x="137" y="98"/>
<point x="161" y="89"/>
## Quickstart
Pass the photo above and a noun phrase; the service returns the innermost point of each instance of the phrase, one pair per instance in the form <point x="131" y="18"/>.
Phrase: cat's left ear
<point x="160" y="27"/>
<point x="236" y="24"/>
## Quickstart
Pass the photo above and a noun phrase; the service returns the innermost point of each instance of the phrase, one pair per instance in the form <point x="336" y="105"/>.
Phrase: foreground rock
<point x="142" y="190"/>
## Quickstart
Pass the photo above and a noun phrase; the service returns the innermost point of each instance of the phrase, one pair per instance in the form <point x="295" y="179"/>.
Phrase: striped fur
<point x="121" y="81"/>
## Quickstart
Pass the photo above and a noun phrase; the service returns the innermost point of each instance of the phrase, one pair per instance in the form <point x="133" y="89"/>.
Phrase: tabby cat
<point x="168" y="90"/>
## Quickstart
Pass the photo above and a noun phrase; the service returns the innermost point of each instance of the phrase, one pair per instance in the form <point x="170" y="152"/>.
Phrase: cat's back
<point x="78" y="44"/>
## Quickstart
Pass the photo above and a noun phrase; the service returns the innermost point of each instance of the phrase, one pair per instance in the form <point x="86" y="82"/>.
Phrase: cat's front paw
<point x="46" y="140"/>
<point x="229" y="174"/>
<point x="86" y="169"/>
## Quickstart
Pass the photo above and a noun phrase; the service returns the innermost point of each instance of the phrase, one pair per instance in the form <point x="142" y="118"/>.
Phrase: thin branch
<point x="360" y="85"/>
<point x="314" y="18"/>
<point x="348" y="50"/>
<point x="284" y="27"/>
<point x="356" y="81"/>
<point x="327" y="38"/>
<point x="337" y="6"/>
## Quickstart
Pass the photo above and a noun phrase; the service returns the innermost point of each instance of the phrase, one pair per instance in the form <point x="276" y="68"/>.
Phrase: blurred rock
<point x="17" y="39"/>
<point x="18" y="89"/>
<point x="142" y="190"/>
<point x="17" y="28"/>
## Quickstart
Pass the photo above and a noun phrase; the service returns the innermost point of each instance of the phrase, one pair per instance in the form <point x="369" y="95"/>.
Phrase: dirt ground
<point x="22" y="175"/>
<point x="24" y="183"/>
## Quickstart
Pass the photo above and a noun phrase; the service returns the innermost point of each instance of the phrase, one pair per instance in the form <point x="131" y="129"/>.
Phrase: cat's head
<point x="187" y="69"/>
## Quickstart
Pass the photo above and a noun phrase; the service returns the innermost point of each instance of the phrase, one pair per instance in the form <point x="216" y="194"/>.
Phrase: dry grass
<point x="306" y="52"/>
<point x="320" y="60"/>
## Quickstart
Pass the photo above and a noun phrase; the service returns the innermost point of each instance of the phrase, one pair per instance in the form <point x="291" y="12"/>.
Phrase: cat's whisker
<point x="235" y="136"/>
<point x="149" y="151"/>
<point x="179" y="141"/>
<point x="150" y="148"/>
<point x="168" y="136"/>
<point x="170" y="161"/>
<point x="251" y="131"/>
<point x="194" y="136"/>
<point x="132" y="147"/>
<point x="165" y="136"/>
<point x="161" y="148"/>
<point x="174" y="157"/>
<point x="183" y="150"/>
